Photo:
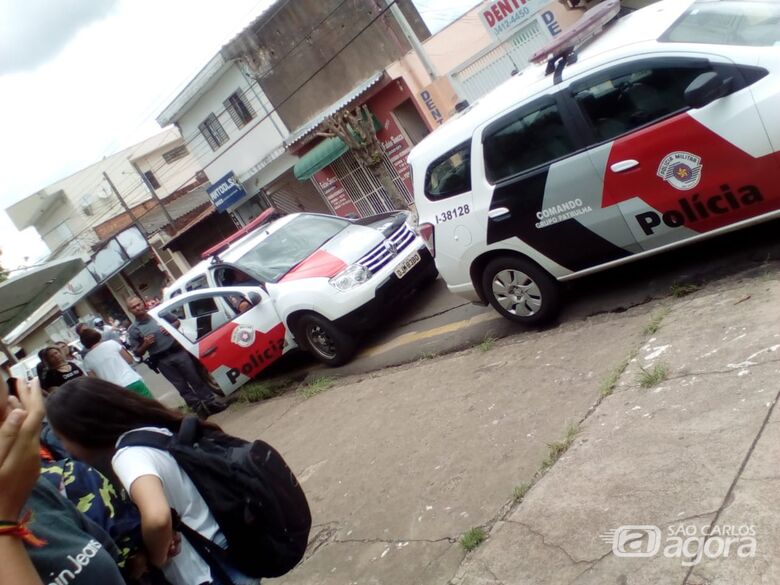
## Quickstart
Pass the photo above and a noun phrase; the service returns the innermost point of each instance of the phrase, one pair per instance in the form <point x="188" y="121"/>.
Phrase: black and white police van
<point x="660" y="131"/>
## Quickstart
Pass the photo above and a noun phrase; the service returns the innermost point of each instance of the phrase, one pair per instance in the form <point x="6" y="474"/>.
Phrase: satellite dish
<point x="104" y="193"/>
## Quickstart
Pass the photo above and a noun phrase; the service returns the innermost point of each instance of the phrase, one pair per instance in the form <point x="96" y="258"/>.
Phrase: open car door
<point x="235" y="332"/>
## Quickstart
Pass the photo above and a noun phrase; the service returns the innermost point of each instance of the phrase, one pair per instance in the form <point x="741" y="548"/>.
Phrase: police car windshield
<point x="280" y="252"/>
<point x="730" y="22"/>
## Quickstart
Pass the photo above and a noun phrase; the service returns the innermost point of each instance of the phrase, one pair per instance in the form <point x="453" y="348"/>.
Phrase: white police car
<point x="303" y="280"/>
<point x="662" y="130"/>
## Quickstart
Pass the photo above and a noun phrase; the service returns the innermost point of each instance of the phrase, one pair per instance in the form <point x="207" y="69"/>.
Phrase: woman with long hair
<point x="58" y="369"/>
<point x="91" y="416"/>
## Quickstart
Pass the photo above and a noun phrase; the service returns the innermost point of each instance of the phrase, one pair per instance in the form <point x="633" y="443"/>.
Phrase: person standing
<point x="58" y="369"/>
<point x="146" y="335"/>
<point x="107" y="359"/>
<point x="107" y="332"/>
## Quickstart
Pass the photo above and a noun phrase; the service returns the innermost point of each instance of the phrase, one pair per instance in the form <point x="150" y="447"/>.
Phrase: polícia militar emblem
<point x="682" y="170"/>
<point x="243" y="335"/>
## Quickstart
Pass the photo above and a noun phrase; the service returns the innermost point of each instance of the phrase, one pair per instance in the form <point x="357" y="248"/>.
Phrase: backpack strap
<point x="141" y="438"/>
<point x="207" y="549"/>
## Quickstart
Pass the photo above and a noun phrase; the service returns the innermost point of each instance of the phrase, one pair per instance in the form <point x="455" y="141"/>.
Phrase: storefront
<point x="350" y="189"/>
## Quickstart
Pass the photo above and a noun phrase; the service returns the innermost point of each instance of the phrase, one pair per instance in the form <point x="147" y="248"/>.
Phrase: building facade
<point x="117" y="215"/>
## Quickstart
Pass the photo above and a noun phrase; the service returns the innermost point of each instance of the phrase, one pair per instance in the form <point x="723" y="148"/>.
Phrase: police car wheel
<point x="325" y="341"/>
<point x="521" y="291"/>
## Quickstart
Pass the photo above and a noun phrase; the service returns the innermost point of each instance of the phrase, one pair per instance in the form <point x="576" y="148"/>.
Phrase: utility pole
<point x="140" y="226"/>
<point x="410" y="35"/>
<point x="148" y="184"/>
<point x="127" y="209"/>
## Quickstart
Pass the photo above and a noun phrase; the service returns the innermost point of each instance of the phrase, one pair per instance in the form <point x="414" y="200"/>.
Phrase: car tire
<point x="326" y="342"/>
<point x="521" y="291"/>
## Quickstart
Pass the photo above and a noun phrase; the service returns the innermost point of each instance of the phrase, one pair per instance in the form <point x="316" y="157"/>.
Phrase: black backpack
<point x="252" y="493"/>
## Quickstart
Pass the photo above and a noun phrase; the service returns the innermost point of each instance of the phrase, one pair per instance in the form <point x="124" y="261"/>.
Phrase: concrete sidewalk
<point x="697" y="451"/>
<point x="398" y="464"/>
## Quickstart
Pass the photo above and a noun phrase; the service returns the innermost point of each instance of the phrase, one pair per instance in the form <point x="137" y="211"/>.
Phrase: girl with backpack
<point x="91" y="416"/>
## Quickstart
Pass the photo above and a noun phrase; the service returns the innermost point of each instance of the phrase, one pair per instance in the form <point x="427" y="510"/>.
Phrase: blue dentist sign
<point x="226" y="192"/>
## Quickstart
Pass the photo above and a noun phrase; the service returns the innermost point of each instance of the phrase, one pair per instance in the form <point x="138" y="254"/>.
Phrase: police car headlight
<point x="352" y="276"/>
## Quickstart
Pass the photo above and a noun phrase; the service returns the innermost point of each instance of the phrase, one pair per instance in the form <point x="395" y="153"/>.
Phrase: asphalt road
<point x="436" y="322"/>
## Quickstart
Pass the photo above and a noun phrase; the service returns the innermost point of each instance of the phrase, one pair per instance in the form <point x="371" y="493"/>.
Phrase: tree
<point x="358" y="132"/>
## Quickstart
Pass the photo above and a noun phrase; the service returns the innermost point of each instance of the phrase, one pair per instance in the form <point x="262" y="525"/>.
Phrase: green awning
<point x="319" y="157"/>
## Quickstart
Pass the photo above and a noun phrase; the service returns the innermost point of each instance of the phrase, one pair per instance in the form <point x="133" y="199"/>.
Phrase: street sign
<point x="502" y="17"/>
<point x="226" y="192"/>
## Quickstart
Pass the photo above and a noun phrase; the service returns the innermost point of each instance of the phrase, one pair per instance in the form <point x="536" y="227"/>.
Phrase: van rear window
<point x="450" y="174"/>
<point x="729" y="22"/>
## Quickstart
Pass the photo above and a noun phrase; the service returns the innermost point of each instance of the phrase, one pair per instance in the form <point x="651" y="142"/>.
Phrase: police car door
<point x="237" y="340"/>
<point x="677" y="171"/>
<point x="546" y="192"/>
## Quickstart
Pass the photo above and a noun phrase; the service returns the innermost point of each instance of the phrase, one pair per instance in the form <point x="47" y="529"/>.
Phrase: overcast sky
<point x="80" y="79"/>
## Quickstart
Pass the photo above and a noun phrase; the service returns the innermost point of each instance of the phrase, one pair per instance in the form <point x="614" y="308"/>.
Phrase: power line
<point x="275" y="107"/>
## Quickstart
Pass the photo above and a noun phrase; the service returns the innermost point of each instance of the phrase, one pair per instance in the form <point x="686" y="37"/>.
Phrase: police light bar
<point x="267" y="216"/>
<point x="589" y="25"/>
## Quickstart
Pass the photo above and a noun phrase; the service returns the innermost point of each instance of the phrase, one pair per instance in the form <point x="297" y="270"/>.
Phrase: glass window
<point x="206" y="317"/>
<point x="239" y="108"/>
<point x="197" y="283"/>
<point x="450" y="175"/>
<point x="281" y="251"/>
<point x="213" y="132"/>
<point x="521" y="142"/>
<point x="634" y="99"/>
<point x="729" y="22"/>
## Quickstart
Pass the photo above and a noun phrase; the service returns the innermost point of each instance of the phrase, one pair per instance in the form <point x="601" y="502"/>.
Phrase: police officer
<point x="172" y="360"/>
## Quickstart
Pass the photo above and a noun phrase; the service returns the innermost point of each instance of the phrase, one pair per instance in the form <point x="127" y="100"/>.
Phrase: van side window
<point x="630" y="100"/>
<point x="450" y="174"/>
<point x="520" y="142"/>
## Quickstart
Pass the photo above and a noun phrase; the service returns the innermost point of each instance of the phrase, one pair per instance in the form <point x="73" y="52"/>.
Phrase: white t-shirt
<point x="106" y="361"/>
<point x="130" y="463"/>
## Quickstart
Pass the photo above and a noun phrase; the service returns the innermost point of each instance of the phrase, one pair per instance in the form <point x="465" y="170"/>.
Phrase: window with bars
<point x="213" y="132"/>
<point x="239" y="108"/>
<point x="364" y="188"/>
<point x="175" y="154"/>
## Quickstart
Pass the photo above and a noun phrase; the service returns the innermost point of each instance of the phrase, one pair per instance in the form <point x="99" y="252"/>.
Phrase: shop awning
<point x="22" y="295"/>
<point x="319" y="157"/>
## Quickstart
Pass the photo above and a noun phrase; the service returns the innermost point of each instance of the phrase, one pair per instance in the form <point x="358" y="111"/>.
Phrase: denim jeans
<point x="236" y="576"/>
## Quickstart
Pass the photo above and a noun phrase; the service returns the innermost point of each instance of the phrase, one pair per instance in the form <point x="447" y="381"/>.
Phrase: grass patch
<point x="656" y="319"/>
<point x="558" y="448"/>
<point x="473" y="538"/>
<point x="257" y="392"/>
<point x="520" y="491"/>
<point x="609" y="383"/>
<point x="680" y="290"/>
<point x="316" y="386"/>
<point x="428" y="355"/>
<point x="487" y="344"/>
<point x="653" y="376"/>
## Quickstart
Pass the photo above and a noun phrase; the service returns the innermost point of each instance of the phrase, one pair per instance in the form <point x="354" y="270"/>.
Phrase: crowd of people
<point x="75" y="507"/>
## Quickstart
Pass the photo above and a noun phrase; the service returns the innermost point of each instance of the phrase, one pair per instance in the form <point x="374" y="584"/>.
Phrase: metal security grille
<point x="493" y="66"/>
<point x="363" y="188"/>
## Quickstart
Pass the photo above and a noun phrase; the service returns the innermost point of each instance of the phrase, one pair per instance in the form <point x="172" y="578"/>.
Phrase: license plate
<point x="408" y="264"/>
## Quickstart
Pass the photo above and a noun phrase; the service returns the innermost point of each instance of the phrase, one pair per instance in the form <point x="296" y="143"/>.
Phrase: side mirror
<point x="706" y="88"/>
<point x="254" y="298"/>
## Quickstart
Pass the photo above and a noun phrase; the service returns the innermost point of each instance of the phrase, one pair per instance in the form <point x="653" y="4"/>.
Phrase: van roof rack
<point x="561" y="51"/>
